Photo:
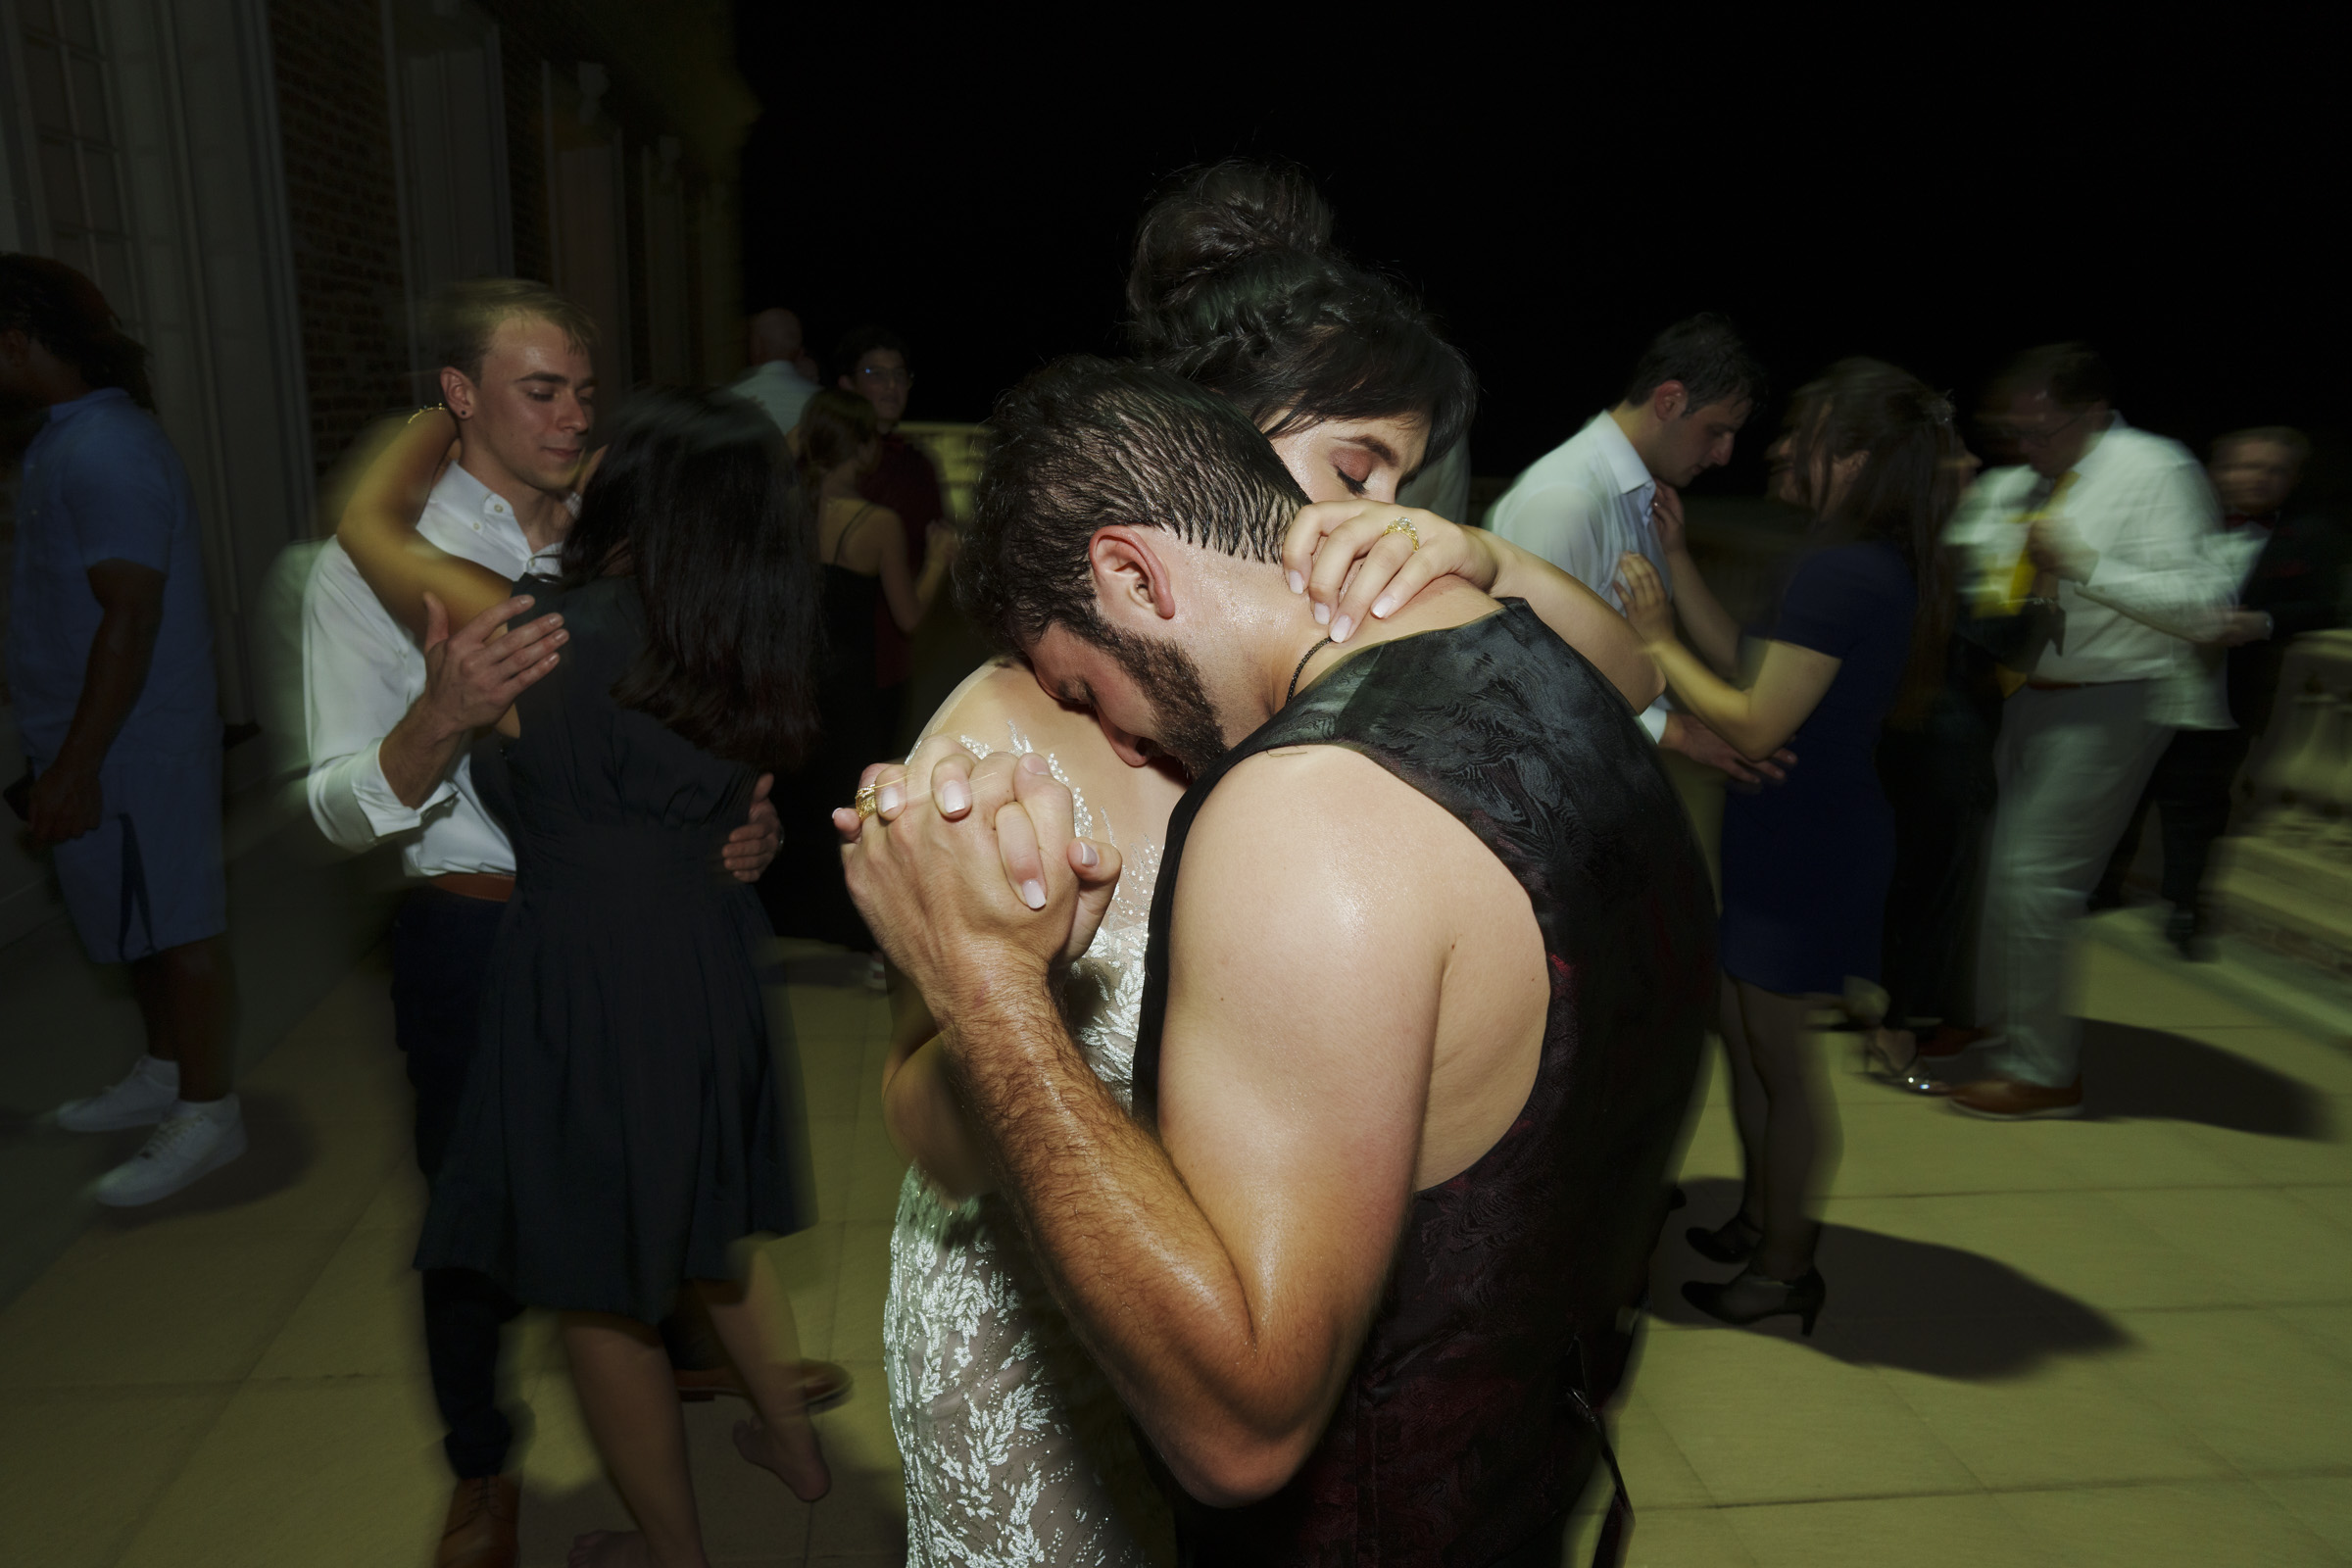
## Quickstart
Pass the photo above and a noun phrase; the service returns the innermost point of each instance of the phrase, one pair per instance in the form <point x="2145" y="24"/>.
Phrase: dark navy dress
<point x="631" y="1114"/>
<point x="1806" y="864"/>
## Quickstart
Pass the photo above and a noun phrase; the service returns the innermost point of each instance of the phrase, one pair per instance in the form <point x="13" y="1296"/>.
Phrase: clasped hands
<point x="970" y="872"/>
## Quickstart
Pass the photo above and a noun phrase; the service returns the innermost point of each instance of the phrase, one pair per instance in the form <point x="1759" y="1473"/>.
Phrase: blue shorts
<point x="149" y="877"/>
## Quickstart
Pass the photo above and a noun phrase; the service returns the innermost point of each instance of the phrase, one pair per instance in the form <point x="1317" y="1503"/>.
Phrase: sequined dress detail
<point x="1015" y="1448"/>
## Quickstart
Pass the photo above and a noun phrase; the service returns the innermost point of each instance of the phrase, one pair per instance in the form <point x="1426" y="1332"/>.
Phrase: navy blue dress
<point x="632" y="1110"/>
<point x="1806" y="864"/>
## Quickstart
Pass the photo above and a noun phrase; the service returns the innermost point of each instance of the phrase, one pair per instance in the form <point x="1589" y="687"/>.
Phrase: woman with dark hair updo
<point x="1016" y="1450"/>
<point x="626" y="1123"/>
<point x="1861" y="631"/>
<point x="863" y="553"/>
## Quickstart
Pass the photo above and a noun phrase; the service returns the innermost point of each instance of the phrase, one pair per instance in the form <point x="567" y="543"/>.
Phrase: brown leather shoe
<point x="480" y="1528"/>
<point x="2007" y="1100"/>
<point x="823" y="1384"/>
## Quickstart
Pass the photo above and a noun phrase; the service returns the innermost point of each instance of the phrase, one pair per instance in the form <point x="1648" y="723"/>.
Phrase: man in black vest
<point x="1431" y="958"/>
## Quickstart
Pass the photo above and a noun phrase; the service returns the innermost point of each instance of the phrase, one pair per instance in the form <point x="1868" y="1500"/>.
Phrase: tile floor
<point x="2125" y="1340"/>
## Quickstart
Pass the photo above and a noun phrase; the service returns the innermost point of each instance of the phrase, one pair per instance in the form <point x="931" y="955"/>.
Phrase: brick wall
<point x="344" y="200"/>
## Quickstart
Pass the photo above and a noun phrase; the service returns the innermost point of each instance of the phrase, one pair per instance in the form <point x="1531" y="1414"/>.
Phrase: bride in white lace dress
<point x="1016" y="1450"/>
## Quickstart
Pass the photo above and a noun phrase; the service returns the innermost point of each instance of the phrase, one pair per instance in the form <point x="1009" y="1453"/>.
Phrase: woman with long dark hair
<point x="1016" y="1450"/>
<point x="863" y="552"/>
<point x="1861" y="630"/>
<point x="625" y="1124"/>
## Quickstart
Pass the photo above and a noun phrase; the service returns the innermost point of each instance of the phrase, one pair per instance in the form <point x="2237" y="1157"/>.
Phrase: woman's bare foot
<point x="790" y="1453"/>
<point x="610" y="1548"/>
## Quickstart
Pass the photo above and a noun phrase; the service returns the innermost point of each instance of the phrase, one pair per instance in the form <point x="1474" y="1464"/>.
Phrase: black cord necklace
<point x="1301" y="669"/>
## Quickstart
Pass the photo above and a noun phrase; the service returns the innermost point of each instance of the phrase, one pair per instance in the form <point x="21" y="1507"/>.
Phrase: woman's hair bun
<point x="1207" y="221"/>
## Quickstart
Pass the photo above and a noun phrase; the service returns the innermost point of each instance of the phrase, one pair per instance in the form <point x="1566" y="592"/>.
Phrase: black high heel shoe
<point x="1728" y="1243"/>
<point x="1751" y="1298"/>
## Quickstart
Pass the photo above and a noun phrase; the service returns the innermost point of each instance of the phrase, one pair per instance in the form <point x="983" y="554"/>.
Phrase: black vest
<point x="1461" y="1433"/>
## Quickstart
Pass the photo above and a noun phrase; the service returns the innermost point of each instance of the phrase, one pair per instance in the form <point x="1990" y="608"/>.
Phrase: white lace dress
<point x="1016" y="1450"/>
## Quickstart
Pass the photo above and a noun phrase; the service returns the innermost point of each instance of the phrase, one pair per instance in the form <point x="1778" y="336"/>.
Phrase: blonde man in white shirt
<point x="2113" y="524"/>
<point x="1611" y="490"/>
<point x="388" y="724"/>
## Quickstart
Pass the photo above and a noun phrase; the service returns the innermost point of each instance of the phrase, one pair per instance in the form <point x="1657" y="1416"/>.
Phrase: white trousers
<point x="2070" y="766"/>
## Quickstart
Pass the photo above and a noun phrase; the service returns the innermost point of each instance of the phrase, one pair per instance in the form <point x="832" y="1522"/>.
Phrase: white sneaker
<point x="198" y="1141"/>
<point x="141" y="1099"/>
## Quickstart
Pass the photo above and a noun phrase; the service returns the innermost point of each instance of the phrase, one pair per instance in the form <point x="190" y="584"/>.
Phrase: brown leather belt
<point x="475" y="885"/>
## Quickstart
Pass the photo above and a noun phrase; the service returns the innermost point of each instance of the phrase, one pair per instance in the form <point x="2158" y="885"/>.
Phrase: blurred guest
<point x="2110" y="527"/>
<point x="110" y="664"/>
<point x="874" y="362"/>
<point x="388" y="726"/>
<point x="867" y="581"/>
<point x="2290" y="565"/>
<point x="1611" y="488"/>
<point x="1861" y="628"/>
<point x="783" y="373"/>
<point x="627" y="1124"/>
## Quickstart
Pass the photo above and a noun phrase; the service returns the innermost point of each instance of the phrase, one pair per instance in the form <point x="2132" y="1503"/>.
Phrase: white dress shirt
<point x="1583" y="504"/>
<point x="362" y="670"/>
<point x="2141" y="504"/>
<point x="778" y="387"/>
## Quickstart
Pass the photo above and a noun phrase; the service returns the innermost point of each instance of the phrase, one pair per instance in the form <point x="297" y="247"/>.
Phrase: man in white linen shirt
<point x="1610" y="490"/>
<point x="2121" y="520"/>
<point x="388" y="724"/>
<point x="783" y="373"/>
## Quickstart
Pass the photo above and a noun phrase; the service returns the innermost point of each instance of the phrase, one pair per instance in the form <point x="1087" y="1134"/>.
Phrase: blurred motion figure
<point x="2110" y="527"/>
<point x="782" y="377"/>
<point x="2289" y="568"/>
<point x="110" y="667"/>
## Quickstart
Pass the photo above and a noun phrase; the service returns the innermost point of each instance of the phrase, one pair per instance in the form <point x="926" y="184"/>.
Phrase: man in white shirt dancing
<point x="2109" y="528"/>
<point x="388" y="725"/>
<point x="1611" y="490"/>
<point x="783" y="373"/>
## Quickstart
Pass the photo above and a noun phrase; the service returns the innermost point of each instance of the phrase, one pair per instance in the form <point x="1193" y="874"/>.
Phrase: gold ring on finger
<point x="866" y="803"/>
<point x="1405" y="526"/>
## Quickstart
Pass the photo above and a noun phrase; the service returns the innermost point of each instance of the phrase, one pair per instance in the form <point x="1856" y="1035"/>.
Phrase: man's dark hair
<point x="1705" y="355"/>
<point x="2074" y="374"/>
<point x="1086" y="444"/>
<point x="465" y="315"/>
<point x="860" y="341"/>
<point x="64" y="313"/>
<point x="1236" y="285"/>
<point x="696" y="498"/>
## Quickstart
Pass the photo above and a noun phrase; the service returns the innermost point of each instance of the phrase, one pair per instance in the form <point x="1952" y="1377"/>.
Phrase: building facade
<point x="269" y="191"/>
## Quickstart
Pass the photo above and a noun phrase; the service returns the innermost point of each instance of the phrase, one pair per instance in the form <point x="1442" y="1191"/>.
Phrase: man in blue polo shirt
<point x="110" y="667"/>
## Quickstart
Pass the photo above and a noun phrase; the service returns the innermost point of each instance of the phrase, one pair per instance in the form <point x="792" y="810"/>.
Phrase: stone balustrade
<point x="2284" y="877"/>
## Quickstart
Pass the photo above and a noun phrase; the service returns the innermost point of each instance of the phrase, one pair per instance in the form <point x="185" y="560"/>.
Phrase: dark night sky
<point x="2182" y="215"/>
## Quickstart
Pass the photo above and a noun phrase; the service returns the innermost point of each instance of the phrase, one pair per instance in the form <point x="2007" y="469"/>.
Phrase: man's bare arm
<point x="1225" y="1289"/>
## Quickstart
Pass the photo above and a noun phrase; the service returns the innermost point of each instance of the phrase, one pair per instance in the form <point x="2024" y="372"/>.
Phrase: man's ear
<point x="1131" y="580"/>
<point x="1670" y="400"/>
<point x="458" y="394"/>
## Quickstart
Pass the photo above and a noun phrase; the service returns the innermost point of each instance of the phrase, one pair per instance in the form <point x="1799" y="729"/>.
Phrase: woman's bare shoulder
<point x="1000" y="704"/>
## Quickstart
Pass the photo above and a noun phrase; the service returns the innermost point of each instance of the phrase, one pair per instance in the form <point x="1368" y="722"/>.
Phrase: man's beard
<point x="1189" y="730"/>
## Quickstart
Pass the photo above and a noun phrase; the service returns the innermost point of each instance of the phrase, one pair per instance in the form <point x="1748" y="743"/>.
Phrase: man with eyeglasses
<point x="874" y="363"/>
<point x="2106" y="528"/>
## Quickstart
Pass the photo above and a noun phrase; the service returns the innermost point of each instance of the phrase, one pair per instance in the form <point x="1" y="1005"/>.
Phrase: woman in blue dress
<point x="1871" y="451"/>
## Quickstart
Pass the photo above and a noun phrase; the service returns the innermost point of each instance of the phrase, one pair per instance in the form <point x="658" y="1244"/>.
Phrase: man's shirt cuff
<point x="1652" y="721"/>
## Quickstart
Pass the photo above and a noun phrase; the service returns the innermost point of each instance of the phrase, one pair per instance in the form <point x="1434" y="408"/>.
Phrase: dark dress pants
<point x="440" y="959"/>
<point x="2190" y="789"/>
<point x="1938" y="778"/>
